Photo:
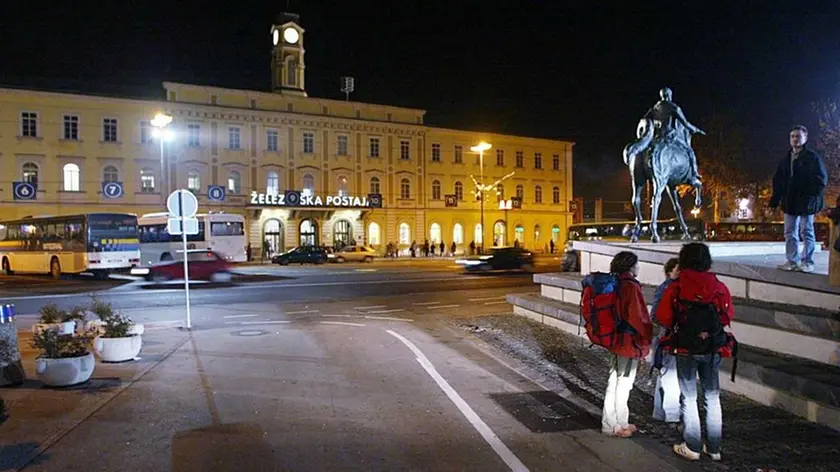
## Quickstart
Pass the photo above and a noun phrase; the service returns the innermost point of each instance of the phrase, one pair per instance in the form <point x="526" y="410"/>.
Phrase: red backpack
<point x="599" y="311"/>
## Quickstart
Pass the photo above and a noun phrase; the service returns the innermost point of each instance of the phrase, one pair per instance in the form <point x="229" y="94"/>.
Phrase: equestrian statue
<point x="662" y="154"/>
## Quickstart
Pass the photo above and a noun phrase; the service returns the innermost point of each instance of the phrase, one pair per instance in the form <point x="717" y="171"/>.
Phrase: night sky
<point x="557" y="69"/>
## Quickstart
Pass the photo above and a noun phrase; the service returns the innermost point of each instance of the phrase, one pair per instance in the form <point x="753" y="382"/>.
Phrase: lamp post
<point x="161" y="132"/>
<point x="506" y="205"/>
<point x="480" y="148"/>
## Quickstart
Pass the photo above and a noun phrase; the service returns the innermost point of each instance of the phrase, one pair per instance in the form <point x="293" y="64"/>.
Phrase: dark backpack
<point x="599" y="310"/>
<point x="698" y="329"/>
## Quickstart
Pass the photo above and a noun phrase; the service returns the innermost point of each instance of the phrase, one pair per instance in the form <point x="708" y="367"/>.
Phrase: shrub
<point x="114" y="324"/>
<point x="58" y="346"/>
<point x="51" y="314"/>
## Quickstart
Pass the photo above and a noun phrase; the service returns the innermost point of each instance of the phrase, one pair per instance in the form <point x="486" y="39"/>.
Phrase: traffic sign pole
<point x="186" y="265"/>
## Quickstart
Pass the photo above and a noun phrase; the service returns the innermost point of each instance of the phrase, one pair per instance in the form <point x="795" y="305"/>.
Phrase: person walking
<point x="442" y="248"/>
<point x="666" y="395"/>
<point x="695" y="308"/>
<point x="453" y="248"/>
<point x="799" y="187"/>
<point x="551" y="245"/>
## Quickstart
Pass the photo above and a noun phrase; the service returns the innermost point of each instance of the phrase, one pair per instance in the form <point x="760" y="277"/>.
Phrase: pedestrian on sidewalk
<point x="453" y="248"/>
<point x="432" y="249"/>
<point x="551" y="245"/>
<point x="695" y="308"/>
<point x="472" y="248"/>
<point x="442" y="248"/>
<point x="634" y="337"/>
<point x="413" y="248"/>
<point x="666" y="395"/>
<point x="799" y="187"/>
<point x="426" y="248"/>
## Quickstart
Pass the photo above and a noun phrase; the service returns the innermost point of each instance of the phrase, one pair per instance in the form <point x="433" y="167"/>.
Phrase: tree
<point x="828" y="143"/>
<point x="720" y="158"/>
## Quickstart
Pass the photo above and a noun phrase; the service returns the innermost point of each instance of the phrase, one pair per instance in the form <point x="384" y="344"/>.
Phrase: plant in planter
<point x="119" y="338"/>
<point x="53" y="317"/>
<point x="65" y="358"/>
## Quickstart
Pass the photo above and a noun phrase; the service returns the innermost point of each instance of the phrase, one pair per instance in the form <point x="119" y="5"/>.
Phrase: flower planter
<point x="67" y="327"/>
<point x="118" y="349"/>
<point x="64" y="372"/>
<point x="135" y="330"/>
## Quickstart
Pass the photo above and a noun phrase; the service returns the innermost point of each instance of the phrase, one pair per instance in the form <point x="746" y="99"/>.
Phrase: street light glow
<point x="481" y="147"/>
<point x="161" y="120"/>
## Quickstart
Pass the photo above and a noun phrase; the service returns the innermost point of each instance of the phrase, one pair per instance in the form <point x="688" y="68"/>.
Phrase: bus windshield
<point x="106" y="230"/>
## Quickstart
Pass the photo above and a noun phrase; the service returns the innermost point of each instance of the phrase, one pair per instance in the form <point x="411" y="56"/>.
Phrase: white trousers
<point x="622" y="375"/>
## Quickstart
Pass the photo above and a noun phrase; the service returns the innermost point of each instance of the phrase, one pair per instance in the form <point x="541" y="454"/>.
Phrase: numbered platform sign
<point x="216" y="193"/>
<point x="24" y="190"/>
<point x="112" y="189"/>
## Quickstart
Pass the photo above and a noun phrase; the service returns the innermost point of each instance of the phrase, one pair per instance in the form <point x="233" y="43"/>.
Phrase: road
<point x="331" y="368"/>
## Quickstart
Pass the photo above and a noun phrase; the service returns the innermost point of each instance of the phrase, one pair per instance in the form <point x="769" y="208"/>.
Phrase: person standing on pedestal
<point x="799" y="186"/>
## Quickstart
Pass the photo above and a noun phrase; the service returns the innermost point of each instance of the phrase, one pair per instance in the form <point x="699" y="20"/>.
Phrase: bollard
<point x="11" y="369"/>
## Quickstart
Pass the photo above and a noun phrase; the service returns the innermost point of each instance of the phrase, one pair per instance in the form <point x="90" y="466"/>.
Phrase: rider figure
<point x="672" y="125"/>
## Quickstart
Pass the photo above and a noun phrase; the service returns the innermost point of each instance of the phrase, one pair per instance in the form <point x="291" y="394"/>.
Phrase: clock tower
<point x="287" y="64"/>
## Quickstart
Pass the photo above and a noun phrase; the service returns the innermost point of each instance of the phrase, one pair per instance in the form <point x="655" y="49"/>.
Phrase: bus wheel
<point x="55" y="268"/>
<point x="6" y="267"/>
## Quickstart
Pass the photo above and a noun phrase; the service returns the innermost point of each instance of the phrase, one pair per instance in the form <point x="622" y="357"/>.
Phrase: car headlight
<point x="485" y="258"/>
<point x="139" y="271"/>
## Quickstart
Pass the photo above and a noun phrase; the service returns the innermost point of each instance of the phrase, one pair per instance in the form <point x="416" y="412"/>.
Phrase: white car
<point x="353" y="254"/>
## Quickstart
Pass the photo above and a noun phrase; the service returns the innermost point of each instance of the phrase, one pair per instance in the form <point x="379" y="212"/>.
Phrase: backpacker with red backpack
<point x="599" y="311"/>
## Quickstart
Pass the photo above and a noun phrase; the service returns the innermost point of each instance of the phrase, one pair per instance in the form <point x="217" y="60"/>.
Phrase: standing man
<point x="799" y="186"/>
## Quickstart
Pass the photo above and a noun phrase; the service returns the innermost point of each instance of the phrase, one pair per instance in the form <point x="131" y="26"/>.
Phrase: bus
<point x="760" y="231"/>
<point x="96" y="243"/>
<point x="226" y="236"/>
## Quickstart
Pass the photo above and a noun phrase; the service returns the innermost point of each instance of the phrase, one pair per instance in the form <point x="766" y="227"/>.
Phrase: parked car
<point x="500" y="258"/>
<point x="353" y="254"/>
<point x="203" y="265"/>
<point x="302" y="255"/>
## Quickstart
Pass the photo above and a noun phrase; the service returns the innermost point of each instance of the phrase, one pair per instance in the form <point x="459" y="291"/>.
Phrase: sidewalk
<point x="755" y="437"/>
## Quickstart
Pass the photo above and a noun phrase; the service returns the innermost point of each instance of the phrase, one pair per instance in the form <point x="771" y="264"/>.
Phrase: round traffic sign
<point x="182" y="203"/>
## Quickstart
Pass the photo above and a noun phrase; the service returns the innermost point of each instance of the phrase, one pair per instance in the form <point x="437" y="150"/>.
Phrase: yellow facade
<point x="251" y="141"/>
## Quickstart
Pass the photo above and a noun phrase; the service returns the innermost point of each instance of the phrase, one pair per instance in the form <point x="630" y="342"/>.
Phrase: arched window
<point x="520" y="192"/>
<point x="436" y="190"/>
<point x="555" y="234"/>
<point x="538" y="194"/>
<point x="71" y="178"/>
<point x="374" y="234"/>
<point x="435" y="234"/>
<point x="110" y="174"/>
<point x="555" y="194"/>
<point x="235" y="182"/>
<point x="536" y="235"/>
<point x="342" y="186"/>
<point x="499" y="234"/>
<point x="308" y="233"/>
<point x="374" y="185"/>
<point x="500" y="192"/>
<point x="520" y="234"/>
<point x="405" y="233"/>
<point x="273" y="237"/>
<point x="291" y="71"/>
<point x="459" y="191"/>
<point x="308" y="185"/>
<point x="405" y="189"/>
<point x="30" y="173"/>
<point x="272" y="183"/>
<point x="194" y="181"/>
<point x="147" y="180"/>
<point x="478" y="235"/>
<point x="458" y="234"/>
<point x="342" y="233"/>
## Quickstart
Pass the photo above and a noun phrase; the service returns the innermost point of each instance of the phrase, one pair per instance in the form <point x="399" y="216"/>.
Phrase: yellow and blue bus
<point x="96" y="243"/>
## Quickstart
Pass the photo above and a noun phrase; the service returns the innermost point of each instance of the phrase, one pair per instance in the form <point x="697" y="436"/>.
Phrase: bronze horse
<point x="665" y="163"/>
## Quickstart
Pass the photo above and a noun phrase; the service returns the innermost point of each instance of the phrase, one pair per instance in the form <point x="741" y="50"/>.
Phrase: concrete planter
<point x="67" y="327"/>
<point x="135" y="330"/>
<point x="65" y="372"/>
<point x="118" y="349"/>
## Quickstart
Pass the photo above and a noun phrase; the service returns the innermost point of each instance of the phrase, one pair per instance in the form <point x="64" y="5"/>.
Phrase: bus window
<point x="226" y="228"/>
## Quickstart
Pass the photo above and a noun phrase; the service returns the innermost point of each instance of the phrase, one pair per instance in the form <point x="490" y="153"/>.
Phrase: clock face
<point x="291" y="35"/>
<point x="275" y="37"/>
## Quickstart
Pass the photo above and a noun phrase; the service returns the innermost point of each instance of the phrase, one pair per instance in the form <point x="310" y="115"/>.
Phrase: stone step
<point x="799" y="331"/>
<point x="801" y="386"/>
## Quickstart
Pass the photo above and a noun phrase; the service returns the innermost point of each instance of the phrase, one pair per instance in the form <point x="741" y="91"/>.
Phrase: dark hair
<point x="695" y="256"/>
<point x="800" y="128"/>
<point x="623" y="262"/>
<point x="671" y="265"/>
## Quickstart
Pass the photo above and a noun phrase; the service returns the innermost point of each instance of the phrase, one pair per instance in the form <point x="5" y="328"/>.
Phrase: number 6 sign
<point x="24" y="191"/>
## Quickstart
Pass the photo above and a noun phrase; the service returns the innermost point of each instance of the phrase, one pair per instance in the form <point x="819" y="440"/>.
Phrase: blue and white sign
<point x="24" y="190"/>
<point x="216" y="193"/>
<point x="112" y="189"/>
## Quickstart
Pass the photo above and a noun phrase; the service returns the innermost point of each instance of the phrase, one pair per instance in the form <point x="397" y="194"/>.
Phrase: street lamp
<point x="162" y="133"/>
<point x="480" y="148"/>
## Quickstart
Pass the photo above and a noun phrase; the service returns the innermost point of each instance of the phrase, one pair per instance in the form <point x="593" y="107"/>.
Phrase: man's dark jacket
<point x="803" y="193"/>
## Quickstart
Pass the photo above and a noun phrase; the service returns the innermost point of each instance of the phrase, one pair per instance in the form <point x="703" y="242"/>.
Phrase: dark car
<point x="203" y="265"/>
<point x="302" y="255"/>
<point x="500" y="258"/>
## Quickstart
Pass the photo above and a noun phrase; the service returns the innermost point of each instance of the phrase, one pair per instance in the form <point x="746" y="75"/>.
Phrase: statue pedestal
<point x="834" y="258"/>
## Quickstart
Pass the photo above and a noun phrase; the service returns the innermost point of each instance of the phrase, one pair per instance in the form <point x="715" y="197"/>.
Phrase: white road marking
<point x="338" y="316"/>
<point x="240" y="316"/>
<point x="444" y="306"/>
<point x="302" y="312"/>
<point x="368" y="307"/>
<point x="483" y="299"/>
<point x="496" y="303"/>
<point x="387" y="318"/>
<point x="342" y="323"/>
<point x="492" y="439"/>
<point x="426" y="303"/>
<point x="264" y="322"/>
<point x="393" y="310"/>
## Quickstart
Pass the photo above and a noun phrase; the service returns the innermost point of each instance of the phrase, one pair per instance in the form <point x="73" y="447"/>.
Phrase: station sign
<point x="216" y="193"/>
<point x="112" y="189"/>
<point x="24" y="190"/>
<point x="293" y="198"/>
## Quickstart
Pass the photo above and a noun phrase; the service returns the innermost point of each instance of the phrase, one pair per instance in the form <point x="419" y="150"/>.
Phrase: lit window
<point x="194" y="181"/>
<point x="234" y="182"/>
<point x="405" y="233"/>
<point x="308" y="185"/>
<point x="147" y="181"/>
<point x="478" y="235"/>
<point x="272" y="183"/>
<point x="458" y="234"/>
<point x="435" y="233"/>
<point x="71" y="178"/>
<point x="109" y="130"/>
<point x="342" y="186"/>
<point x="145" y="132"/>
<point x="30" y="173"/>
<point x="374" y="234"/>
<point x="520" y="234"/>
<point x="193" y="135"/>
